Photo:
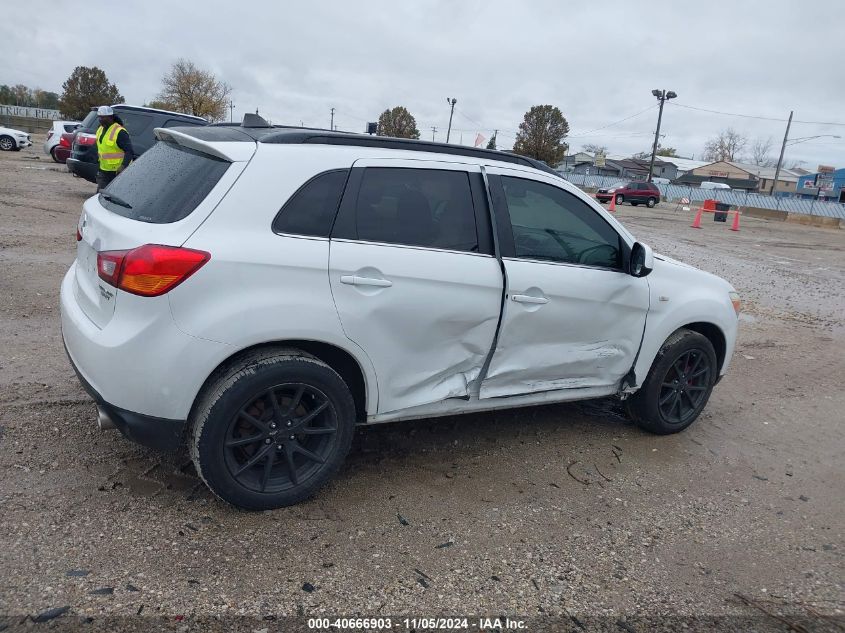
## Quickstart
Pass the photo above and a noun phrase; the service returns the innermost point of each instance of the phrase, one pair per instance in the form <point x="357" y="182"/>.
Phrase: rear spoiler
<point x="230" y="150"/>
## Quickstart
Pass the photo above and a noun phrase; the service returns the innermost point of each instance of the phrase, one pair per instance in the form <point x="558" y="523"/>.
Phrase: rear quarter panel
<point x="260" y="287"/>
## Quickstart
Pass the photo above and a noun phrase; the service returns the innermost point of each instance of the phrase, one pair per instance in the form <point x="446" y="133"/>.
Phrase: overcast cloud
<point x="596" y="60"/>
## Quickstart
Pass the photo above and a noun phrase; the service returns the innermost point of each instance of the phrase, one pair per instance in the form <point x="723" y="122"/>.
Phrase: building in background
<point x="746" y="176"/>
<point x="828" y="183"/>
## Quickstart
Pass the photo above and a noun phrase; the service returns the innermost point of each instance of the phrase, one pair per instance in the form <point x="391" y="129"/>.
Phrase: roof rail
<point x="295" y="136"/>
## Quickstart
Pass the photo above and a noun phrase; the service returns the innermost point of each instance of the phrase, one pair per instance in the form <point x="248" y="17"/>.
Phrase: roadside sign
<point x="599" y="160"/>
<point x="826" y="169"/>
<point x="684" y="200"/>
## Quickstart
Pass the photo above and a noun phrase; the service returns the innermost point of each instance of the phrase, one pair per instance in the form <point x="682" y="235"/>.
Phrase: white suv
<point x="258" y="291"/>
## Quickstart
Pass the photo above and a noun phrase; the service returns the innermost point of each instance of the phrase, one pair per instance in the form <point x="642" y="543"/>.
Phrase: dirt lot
<point x="558" y="511"/>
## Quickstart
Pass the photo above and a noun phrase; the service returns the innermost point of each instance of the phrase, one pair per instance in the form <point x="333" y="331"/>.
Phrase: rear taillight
<point x="109" y="264"/>
<point x="78" y="235"/>
<point x="150" y="270"/>
<point x="65" y="139"/>
<point x="85" y="139"/>
<point x="49" y="135"/>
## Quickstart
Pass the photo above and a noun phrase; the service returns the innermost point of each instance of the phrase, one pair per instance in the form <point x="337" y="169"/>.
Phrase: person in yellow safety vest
<point x="114" y="147"/>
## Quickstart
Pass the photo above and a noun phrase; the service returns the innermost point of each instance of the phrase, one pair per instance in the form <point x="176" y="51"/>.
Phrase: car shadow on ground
<point x="423" y="444"/>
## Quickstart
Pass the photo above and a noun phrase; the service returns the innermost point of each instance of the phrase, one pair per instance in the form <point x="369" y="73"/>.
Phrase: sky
<point x="597" y="61"/>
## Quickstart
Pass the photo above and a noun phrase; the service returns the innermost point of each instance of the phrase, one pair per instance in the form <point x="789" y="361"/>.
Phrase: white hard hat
<point x="105" y="111"/>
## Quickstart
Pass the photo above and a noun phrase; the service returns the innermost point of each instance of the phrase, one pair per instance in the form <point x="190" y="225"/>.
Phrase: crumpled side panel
<point x="587" y="335"/>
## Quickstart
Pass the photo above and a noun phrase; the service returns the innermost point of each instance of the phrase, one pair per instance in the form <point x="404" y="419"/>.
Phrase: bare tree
<point x="761" y="152"/>
<point x="726" y="146"/>
<point x="593" y="148"/>
<point x="189" y="89"/>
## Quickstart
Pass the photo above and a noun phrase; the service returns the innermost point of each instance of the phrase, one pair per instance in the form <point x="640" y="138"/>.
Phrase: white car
<point x="13" y="140"/>
<point x="54" y="137"/>
<point x="256" y="292"/>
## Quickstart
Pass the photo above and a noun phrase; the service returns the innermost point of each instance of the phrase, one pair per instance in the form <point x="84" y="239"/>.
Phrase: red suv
<point x="646" y="193"/>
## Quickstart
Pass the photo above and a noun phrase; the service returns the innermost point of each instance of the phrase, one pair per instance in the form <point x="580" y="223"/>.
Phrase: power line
<point x="754" y="116"/>
<point x="627" y="118"/>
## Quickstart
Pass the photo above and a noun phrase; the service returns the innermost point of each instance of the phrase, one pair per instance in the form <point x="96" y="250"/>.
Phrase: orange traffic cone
<point x="612" y="207"/>
<point x="696" y="224"/>
<point x="735" y="225"/>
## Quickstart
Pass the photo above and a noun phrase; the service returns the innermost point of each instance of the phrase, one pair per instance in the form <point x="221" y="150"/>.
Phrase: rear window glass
<point x="164" y="185"/>
<point x="90" y="122"/>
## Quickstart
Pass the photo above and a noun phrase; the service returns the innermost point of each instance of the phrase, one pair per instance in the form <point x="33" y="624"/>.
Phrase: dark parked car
<point x="138" y="121"/>
<point x="646" y="193"/>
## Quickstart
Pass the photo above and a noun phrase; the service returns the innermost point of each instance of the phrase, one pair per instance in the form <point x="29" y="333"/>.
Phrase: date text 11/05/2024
<point x="423" y="623"/>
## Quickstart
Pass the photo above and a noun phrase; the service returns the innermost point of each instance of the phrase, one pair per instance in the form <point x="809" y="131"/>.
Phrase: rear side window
<point x="71" y="127"/>
<point x="135" y="123"/>
<point x="311" y="210"/>
<point x="182" y="123"/>
<point x="417" y="207"/>
<point x="164" y="185"/>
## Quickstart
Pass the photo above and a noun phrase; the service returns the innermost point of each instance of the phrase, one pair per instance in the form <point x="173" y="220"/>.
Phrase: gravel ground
<point x="558" y="511"/>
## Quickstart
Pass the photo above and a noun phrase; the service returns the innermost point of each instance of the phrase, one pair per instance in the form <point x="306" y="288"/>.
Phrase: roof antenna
<point x="254" y="120"/>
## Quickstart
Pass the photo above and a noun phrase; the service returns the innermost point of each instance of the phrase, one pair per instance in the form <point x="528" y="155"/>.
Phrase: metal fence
<point x="728" y="196"/>
<point x="30" y="113"/>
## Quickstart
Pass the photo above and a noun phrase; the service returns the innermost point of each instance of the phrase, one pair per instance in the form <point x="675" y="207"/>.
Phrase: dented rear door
<point x="413" y="278"/>
<point x="571" y="319"/>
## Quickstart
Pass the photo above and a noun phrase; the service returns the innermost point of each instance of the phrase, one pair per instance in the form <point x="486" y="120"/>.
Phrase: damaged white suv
<point x="258" y="291"/>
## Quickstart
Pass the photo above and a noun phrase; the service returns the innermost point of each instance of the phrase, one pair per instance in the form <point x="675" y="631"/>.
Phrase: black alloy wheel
<point x="684" y="386"/>
<point x="280" y="438"/>
<point x="678" y="384"/>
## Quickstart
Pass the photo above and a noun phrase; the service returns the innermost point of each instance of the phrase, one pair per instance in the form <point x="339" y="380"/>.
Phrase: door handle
<point x="353" y="280"/>
<point x="529" y="299"/>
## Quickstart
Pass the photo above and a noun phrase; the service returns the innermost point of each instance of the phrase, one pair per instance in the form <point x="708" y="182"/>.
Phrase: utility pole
<point x="433" y="132"/>
<point x="452" y="102"/>
<point x="331" y="125"/>
<point x="780" y="159"/>
<point x="231" y="111"/>
<point x="662" y="96"/>
<point x="495" y="138"/>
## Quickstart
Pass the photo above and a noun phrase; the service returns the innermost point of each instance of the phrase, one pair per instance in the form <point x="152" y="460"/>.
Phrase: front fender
<point x="681" y="296"/>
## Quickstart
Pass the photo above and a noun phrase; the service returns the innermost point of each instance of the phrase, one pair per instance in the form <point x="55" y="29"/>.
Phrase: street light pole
<point x="452" y="102"/>
<point x="780" y="159"/>
<point x="662" y="96"/>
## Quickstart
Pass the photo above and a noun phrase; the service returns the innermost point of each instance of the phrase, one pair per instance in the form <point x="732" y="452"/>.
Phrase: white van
<point x="707" y="184"/>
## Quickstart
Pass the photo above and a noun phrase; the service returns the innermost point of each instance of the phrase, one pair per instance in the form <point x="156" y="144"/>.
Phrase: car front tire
<point x="651" y="202"/>
<point x="7" y="143"/>
<point x="271" y="429"/>
<point x="678" y="384"/>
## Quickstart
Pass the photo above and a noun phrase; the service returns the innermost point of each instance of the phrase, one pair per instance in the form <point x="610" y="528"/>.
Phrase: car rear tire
<point x="651" y="202"/>
<point x="271" y="429"/>
<point x="53" y="155"/>
<point x="7" y="143"/>
<point x="678" y="384"/>
<point x="620" y="199"/>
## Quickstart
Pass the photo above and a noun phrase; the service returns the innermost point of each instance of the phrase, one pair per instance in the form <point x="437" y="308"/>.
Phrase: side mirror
<point x="642" y="260"/>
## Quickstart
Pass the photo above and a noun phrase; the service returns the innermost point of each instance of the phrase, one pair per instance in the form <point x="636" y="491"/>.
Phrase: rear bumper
<point x="85" y="170"/>
<point x="159" y="433"/>
<point x="62" y="154"/>
<point x="139" y="366"/>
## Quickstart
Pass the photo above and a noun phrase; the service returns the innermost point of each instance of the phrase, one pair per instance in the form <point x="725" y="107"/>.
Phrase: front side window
<point x="417" y="207"/>
<point x="551" y="224"/>
<point x="311" y="210"/>
<point x="134" y="122"/>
